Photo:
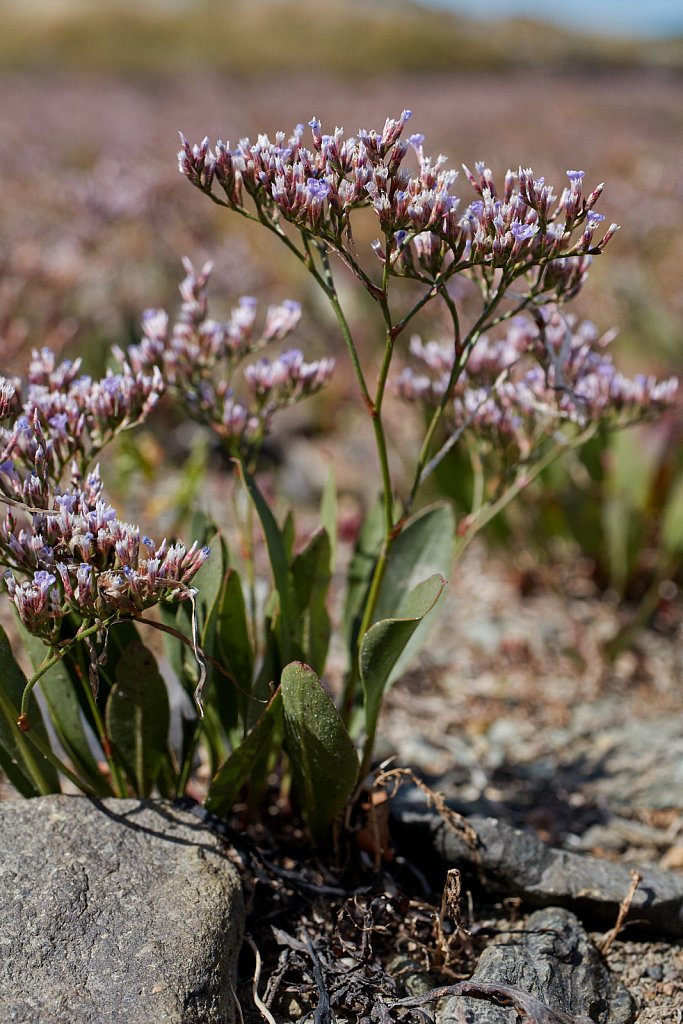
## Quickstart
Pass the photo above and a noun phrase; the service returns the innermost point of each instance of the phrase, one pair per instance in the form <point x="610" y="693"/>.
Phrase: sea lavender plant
<point x="516" y="381"/>
<point x="199" y="357"/>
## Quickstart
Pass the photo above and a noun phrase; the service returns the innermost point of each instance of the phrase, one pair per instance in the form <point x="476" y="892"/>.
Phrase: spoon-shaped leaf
<point x="323" y="759"/>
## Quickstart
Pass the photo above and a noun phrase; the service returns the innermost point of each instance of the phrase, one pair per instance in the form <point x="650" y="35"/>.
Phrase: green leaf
<point x="137" y="718"/>
<point x="385" y="642"/>
<point x="227" y="783"/>
<point x="279" y="563"/>
<point x="26" y="769"/>
<point x="10" y="766"/>
<point x="208" y="583"/>
<point x="213" y="738"/>
<point x="121" y="635"/>
<point x="288" y="533"/>
<point x="624" y="508"/>
<point x="173" y="615"/>
<point x="310" y="584"/>
<point x="672" y="520"/>
<point x="232" y="648"/>
<point x="329" y="515"/>
<point x="424" y="547"/>
<point x="631" y="469"/>
<point x="64" y="708"/>
<point x="202" y="528"/>
<point x="323" y="759"/>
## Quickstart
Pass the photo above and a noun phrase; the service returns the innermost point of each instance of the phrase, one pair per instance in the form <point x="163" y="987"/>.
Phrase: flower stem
<point x="116" y="774"/>
<point x="462" y="352"/>
<point x="27" y="742"/>
<point x="525" y="476"/>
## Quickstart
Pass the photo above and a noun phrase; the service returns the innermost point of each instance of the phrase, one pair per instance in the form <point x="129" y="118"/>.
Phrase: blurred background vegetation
<point x="343" y="37"/>
<point x="94" y="216"/>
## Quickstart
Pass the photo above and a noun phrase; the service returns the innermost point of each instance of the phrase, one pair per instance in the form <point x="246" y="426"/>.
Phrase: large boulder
<point x="115" y="912"/>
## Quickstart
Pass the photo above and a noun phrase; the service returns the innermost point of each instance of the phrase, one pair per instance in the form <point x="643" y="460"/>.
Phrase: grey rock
<point x="519" y="863"/>
<point x="551" y="958"/>
<point x="115" y="912"/>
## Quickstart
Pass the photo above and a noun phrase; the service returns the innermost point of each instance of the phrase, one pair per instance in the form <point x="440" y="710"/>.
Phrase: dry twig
<point x="456" y="822"/>
<point x="258" y="1002"/>
<point x="624" y="907"/>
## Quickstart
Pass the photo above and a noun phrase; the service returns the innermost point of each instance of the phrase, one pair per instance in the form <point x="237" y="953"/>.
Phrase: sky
<point x="623" y="17"/>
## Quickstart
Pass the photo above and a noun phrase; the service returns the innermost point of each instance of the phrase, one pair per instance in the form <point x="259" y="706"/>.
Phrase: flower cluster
<point x="78" y="556"/>
<point x="538" y="375"/>
<point x="199" y="356"/>
<point x="427" y="232"/>
<point x="65" y="417"/>
<point x="8" y="398"/>
<point x="62" y="545"/>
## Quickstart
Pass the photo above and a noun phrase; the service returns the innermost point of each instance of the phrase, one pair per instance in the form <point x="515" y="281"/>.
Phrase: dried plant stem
<point x="624" y="907"/>
<point x="258" y="1002"/>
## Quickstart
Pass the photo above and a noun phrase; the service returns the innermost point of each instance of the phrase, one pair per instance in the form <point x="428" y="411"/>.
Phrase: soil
<point x="514" y="696"/>
<point x="513" y="712"/>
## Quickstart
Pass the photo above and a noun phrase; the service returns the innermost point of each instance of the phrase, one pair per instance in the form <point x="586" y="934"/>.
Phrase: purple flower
<point x="522" y="232"/>
<point x="317" y="189"/>
<point x="44" y="579"/>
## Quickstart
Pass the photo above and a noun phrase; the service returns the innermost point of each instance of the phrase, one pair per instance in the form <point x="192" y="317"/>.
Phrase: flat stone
<point x="115" y="912"/>
<point x="550" y="958"/>
<point x="518" y="863"/>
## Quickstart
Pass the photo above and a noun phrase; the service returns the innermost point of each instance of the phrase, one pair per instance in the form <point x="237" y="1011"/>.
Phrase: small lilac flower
<point x="523" y="232"/>
<point x="576" y="177"/>
<point x="281" y="320"/>
<point x="8" y="397"/>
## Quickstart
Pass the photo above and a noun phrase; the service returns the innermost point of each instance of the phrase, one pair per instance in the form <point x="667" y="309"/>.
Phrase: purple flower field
<point x="94" y="217"/>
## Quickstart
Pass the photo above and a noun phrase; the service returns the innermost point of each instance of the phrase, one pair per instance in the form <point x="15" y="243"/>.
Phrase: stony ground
<point x="519" y="715"/>
<point x="515" y="713"/>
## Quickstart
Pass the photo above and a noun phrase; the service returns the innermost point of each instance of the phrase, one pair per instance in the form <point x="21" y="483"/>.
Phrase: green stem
<point x="116" y="774"/>
<point x="50" y="660"/>
<point x="459" y="364"/>
<point x="478" y="475"/>
<point x="414" y="310"/>
<point x="27" y="740"/>
<point x="524" y="477"/>
<point x="328" y="286"/>
<point x="374" y="590"/>
<point x="45" y="665"/>
<point x="389" y="337"/>
<point x="246" y="530"/>
<point x="391" y="529"/>
<point x="326" y="283"/>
